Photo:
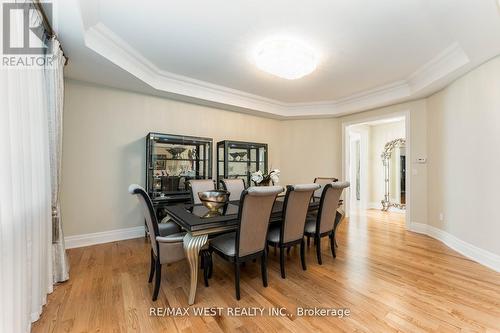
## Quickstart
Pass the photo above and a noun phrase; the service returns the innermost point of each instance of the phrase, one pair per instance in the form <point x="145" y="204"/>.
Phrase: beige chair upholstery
<point x="297" y="205"/>
<point x="235" y="187"/>
<point x="291" y="231"/>
<point x="166" y="247"/>
<point x="324" y="223"/>
<point x="249" y="241"/>
<point x="200" y="185"/>
<point x="322" y="181"/>
<point x="254" y="221"/>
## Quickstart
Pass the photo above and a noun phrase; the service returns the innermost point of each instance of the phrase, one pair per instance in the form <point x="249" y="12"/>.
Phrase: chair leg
<point x="282" y="261"/>
<point x="237" y="279"/>
<point x="263" y="268"/>
<point x="210" y="265"/>
<point x="317" y="241"/>
<point x="303" y="254"/>
<point x="288" y="249"/>
<point x="152" y="269"/>
<point x="157" y="279"/>
<point x="206" y="267"/>
<point x="308" y="241"/>
<point x="332" y="244"/>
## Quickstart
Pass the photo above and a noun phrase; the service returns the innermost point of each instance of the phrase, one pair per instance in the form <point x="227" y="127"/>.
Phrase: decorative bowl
<point x="176" y="152"/>
<point x="214" y="199"/>
<point x="234" y="156"/>
<point x="242" y="155"/>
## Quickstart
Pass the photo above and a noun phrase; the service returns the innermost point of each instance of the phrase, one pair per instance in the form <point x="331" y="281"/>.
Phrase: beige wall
<point x="464" y="159"/>
<point x="379" y="135"/>
<point x="104" y="149"/>
<point x="309" y="149"/>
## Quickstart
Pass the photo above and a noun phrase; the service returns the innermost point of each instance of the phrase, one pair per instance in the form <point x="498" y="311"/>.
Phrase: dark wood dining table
<point x="199" y="224"/>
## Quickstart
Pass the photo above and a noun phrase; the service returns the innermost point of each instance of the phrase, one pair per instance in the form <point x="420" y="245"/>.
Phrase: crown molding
<point x="105" y="42"/>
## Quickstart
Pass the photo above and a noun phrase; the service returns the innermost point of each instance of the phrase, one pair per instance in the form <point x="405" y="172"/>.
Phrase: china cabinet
<point x="172" y="160"/>
<point x="236" y="159"/>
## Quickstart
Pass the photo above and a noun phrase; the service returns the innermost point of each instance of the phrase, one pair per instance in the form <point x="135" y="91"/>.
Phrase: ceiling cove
<point x="102" y="40"/>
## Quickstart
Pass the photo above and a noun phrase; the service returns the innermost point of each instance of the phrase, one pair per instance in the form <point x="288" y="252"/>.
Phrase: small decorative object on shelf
<point x="234" y="156"/>
<point x="176" y="152"/>
<point x="262" y="179"/>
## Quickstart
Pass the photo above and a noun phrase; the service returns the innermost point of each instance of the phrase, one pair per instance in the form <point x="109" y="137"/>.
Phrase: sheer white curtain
<point x="55" y="85"/>
<point x="26" y="249"/>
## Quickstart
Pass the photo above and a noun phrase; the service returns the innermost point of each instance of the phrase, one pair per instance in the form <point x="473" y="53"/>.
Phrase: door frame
<point x="406" y="114"/>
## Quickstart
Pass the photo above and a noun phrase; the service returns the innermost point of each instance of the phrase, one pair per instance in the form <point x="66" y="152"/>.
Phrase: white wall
<point x="464" y="158"/>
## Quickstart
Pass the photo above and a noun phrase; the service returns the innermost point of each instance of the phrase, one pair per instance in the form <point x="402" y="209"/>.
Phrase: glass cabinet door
<point x="173" y="160"/>
<point x="240" y="159"/>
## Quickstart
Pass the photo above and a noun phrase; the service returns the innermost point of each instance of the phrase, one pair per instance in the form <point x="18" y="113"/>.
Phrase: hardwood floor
<point x="390" y="279"/>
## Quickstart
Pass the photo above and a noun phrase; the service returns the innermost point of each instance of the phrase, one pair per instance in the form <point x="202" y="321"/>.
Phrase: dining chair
<point x="249" y="240"/>
<point x="291" y="230"/>
<point x="234" y="186"/>
<point x="322" y="181"/>
<point x="199" y="185"/>
<point x="324" y="224"/>
<point x="165" y="248"/>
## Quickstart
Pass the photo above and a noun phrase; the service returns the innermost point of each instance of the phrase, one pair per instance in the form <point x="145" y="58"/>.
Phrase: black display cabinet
<point x="236" y="159"/>
<point x="172" y="160"/>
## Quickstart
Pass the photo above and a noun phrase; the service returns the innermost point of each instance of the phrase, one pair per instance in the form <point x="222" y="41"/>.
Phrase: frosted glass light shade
<point x="286" y="58"/>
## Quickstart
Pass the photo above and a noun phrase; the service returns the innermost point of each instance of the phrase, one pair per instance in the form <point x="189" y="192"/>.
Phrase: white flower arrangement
<point x="259" y="177"/>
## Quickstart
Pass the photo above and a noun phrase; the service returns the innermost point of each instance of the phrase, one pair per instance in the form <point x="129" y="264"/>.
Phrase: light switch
<point x="421" y="160"/>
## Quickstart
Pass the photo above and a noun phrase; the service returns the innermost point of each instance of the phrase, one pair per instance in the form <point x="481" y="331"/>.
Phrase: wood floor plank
<point x="391" y="280"/>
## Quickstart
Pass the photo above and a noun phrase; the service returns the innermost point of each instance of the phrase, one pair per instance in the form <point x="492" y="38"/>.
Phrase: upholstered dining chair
<point x="200" y="185"/>
<point x="249" y="240"/>
<point x="324" y="223"/>
<point x="291" y="230"/>
<point x="322" y="181"/>
<point x="234" y="186"/>
<point x="166" y="248"/>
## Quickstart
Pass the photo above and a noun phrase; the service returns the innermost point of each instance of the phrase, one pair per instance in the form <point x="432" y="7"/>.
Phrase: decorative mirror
<point x="394" y="160"/>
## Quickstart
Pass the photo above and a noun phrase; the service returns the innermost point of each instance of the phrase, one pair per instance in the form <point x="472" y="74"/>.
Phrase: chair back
<point x="149" y="214"/>
<point x="234" y="186"/>
<point x="254" y="213"/>
<point x="295" y="210"/>
<point x="328" y="206"/>
<point x="322" y="181"/>
<point x="199" y="185"/>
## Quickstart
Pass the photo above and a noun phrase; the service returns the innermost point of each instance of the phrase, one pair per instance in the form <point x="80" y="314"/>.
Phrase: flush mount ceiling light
<point x="286" y="58"/>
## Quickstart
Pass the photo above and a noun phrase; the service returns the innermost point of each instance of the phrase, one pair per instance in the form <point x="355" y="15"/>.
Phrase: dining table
<point x="199" y="223"/>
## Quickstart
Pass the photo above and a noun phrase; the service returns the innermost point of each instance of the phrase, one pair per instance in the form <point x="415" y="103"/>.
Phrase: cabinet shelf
<point x="181" y="159"/>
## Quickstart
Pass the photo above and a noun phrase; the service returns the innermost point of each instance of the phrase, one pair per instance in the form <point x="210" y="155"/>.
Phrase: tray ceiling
<point x="372" y="53"/>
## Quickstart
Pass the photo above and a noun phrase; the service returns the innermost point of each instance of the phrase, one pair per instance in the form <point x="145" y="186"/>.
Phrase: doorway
<point x="376" y="163"/>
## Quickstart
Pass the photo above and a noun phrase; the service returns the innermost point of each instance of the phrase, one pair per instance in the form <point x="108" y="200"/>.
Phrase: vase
<point x="264" y="182"/>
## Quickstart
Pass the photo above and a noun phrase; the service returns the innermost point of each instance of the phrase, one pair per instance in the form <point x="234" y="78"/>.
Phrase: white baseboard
<point x="103" y="237"/>
<point x="473" y="252"/>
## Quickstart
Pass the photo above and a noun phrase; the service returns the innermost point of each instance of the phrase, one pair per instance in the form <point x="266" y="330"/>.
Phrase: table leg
<point x="192" y="246"/>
